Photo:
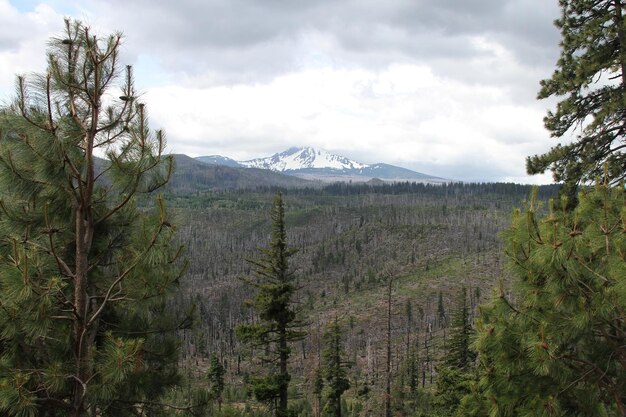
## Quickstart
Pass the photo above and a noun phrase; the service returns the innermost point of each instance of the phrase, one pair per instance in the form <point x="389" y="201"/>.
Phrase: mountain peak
<point x="296" y="158"/>
<point x="318" y="164"/>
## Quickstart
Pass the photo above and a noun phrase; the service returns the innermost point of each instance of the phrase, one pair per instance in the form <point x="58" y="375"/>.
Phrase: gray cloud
<point x="434" y="84"/>
<point x="240" y="40"/>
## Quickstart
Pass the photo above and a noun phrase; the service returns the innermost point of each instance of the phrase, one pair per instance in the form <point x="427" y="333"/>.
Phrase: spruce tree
<point x="84" y="272"/>
<point x="590" y="80"/>
<point x="279" y="323"/>
<point x="557" y="346"/>
<point x="215" y="376"/>
<point x="460" y="355"/>
<point x="456" y="372"/>
<point x="334" y="368"/>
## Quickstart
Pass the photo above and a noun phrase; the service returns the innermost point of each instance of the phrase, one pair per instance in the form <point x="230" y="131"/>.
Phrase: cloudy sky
<point x="445" y="87"/>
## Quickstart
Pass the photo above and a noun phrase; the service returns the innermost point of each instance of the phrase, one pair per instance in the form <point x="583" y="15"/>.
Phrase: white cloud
<point x="403" y="114"/>
<point x="23" y="39"/>
<point x="445" y="88"/>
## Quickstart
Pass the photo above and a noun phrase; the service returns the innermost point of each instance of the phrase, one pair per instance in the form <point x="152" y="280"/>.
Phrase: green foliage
<point x="334" y="369"/>
<point x="456" y="392"/>
<point x="441" y="311"/>
<point x="451" y="385"/>
<point x="591" y="80"/>
<point x="556" y="348"/>
<point x="215" y="375"/>
<point x="84" y="273"/>
<point x="413" y="372"/>
<point x="279" y="323"/>
<point x="460" y="355"/>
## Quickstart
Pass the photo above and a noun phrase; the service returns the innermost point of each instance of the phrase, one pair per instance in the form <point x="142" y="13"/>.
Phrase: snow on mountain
<point x="218" y="160"/>
<point x="303" y="158"/>
<point x="319" y="165"/>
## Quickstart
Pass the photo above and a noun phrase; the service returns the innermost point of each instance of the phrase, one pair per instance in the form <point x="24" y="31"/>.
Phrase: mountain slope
<point x="219" y="160"/>
<point x="190" y="174"/>
<point x="320" y="165"/>
<point x="303" y="158"/>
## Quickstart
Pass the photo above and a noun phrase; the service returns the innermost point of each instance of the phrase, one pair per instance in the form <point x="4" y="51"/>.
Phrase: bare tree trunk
<point x="388" y="368"/>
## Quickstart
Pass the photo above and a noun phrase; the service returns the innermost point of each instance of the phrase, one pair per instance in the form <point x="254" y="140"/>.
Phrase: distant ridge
<point x="191" y="174"/>
<point x="320" y="165"/>
<point x="219" y="160"/>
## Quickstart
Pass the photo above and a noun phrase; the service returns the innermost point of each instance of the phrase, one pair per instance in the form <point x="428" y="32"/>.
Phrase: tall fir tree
<point x="558" y="346"/>
<point x="279" y="322"/>
<point x="457" y="375"/>
<point x="460" y="355"/>
<point x="215" y="375"/>
<point x="590" y="80"/>
<point x="84" y="272"/>
<point x="334" y="369"/>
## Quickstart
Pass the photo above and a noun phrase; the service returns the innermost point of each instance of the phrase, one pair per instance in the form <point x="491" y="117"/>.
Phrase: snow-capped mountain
<point x="303" y="158"/>
<point x="318" y="164"/>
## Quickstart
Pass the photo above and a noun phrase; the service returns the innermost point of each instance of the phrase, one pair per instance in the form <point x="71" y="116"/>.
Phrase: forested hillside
<point x="430" y="240"/>
<point x="135" y="283"/>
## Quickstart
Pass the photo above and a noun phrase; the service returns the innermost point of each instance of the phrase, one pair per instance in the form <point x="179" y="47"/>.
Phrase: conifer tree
<point x="590" y="80"/>
<point x="334" y="368"/>
<point x="441" y="312"/>
<point x="279" y="322"/>
<point x="456" y="372"/>
<point x="557" y="347"/>
<point x="460" y="355"/>
<point x="84" y="272"/>
<point x="413" y="371"/>
<point x="215" y="376"/>
<point x="318" y="389"/>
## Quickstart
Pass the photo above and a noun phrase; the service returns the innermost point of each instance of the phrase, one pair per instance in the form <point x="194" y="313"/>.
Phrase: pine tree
<point x="557" y="347"/>
<point x="279" y="323"/>
<point x="591" y="80"/>
<point x="334" y="368"/>
<point x="84" y="272"/>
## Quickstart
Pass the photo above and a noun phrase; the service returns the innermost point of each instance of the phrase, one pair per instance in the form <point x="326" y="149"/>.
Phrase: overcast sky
<point x="444" y="87"/>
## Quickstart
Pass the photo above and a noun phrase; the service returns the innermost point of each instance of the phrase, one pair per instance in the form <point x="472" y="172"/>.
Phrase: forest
<point x="432" y="244"/>
<point x="138" y="283"/>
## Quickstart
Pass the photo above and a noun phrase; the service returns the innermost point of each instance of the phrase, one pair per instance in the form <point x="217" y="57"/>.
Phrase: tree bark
<point x="281" y="411"/>
<point x="388" y="368"/>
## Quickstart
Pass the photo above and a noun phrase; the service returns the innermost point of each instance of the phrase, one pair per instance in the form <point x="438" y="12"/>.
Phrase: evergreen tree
<point x="334" y="369"/>
<point x="413" y="371"/>
<point x="84" y="272"/>
<point x="441" y="312"/>
<point x="557" y="347"/>
<point x="451" y="385"/>
<point x="318" y="389"/>
<point x="591" y="80"/>
<point x="279" y="323"/>
<point x="456" y="373"/>
<point x="460" y="355"/>
<point x="215" y="376"/>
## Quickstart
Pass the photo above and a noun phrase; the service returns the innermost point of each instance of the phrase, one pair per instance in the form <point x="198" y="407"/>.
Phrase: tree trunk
<point x="84" y="229"/>
<point x="281" y="411"/>
<point x="388" y="368"/>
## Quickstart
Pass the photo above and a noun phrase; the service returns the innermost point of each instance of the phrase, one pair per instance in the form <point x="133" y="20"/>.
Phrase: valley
<point x="429" y="240"/>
